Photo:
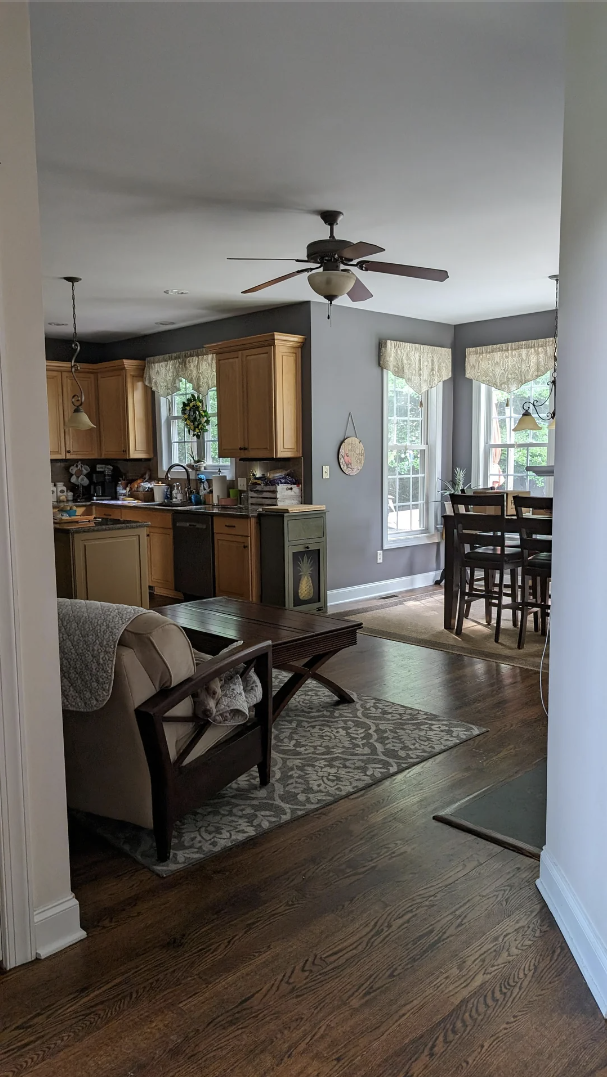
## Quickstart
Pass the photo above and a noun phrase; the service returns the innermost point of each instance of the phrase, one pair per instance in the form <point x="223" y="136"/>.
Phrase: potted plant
<point x="457" y="485"/>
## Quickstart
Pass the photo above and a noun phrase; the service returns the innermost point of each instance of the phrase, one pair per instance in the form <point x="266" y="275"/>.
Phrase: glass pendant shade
<point x="527" y="422"/>
<point x="79" y="420"/>
<point x="552" y="425"/>
<point x="332" y="284"/>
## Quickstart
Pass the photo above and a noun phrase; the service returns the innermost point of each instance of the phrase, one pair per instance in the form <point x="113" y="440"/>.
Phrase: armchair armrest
<point x="163" y="701"/>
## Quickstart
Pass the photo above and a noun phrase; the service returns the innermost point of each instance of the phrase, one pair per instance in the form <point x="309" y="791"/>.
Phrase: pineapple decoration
<point x="305" y="590"/>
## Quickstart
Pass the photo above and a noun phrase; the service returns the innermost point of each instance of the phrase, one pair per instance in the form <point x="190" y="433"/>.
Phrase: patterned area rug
<point x="320" y="753"/>
<point x="418" y="619"/>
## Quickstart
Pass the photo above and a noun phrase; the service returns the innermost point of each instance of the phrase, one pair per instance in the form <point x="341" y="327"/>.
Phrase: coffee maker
<point x="103" y="481"/>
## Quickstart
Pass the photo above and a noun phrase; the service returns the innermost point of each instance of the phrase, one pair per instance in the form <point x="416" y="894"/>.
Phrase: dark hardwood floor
<point x="365" y="939"/>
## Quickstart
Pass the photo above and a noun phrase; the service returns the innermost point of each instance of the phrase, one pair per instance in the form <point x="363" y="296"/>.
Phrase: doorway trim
<point x="17" y="930"/>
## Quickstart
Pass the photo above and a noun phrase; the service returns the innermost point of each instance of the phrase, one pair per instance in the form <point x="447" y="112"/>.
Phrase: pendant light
<point x="528" y="421"/>
<point x="78" y="420"/>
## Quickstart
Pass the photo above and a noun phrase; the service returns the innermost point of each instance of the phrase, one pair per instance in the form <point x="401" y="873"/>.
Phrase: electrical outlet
<point x="380" y="556"/>
<point x="242" y="484"/>
<point x="325" y="471"/>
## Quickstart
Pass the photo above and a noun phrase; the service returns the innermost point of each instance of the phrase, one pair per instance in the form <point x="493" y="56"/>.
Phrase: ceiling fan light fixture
<point x="331" y="284"/>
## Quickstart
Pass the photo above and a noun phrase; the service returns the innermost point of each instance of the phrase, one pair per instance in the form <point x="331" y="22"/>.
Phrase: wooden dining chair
<point x="485" y="547"/>
<point x="535" y="534"/>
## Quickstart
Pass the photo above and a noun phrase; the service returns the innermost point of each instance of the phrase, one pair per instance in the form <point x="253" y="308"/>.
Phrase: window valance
<point x="508" y="366"/>
<point x="421" y="365"/>
<point x="163" y="373"/>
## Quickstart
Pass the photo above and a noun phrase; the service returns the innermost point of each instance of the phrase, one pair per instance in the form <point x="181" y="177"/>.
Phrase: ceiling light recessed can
<point x="58" y="323"/>
<point x="165" y="323"/>
<point x="175" y="291"/>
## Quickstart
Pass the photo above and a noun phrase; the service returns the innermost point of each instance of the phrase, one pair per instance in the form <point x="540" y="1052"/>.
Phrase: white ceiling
<point x="171" y="135"/>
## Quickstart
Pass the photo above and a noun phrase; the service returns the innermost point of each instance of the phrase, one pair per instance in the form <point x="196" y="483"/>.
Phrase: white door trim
<point x="17" y="934"/>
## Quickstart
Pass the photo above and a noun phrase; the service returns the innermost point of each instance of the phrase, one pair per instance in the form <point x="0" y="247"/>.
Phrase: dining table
<point x="475" y="521"/>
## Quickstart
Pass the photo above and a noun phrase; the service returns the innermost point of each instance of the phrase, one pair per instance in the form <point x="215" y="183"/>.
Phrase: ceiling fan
<point x="338" y="258"/>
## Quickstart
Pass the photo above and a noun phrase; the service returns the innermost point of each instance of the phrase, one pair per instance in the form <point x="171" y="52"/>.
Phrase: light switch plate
<point x="242" y="484"/>
<point x="325" y="471"/>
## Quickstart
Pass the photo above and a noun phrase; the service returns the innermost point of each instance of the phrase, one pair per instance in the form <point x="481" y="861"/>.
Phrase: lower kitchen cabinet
<point x="160" y="542"/>
<point x="236" y="557"/>
<point x="103" y="566"/>
<point x="161" y="560"/>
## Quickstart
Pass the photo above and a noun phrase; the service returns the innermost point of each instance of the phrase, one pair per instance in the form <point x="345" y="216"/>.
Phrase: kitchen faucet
<point x="188" y="485"/>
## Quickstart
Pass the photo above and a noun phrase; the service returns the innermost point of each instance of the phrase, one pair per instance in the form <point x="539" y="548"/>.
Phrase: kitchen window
<point x="412" y="446"/>
<point x="501" y="455"/>
<point x="176" y="443"/>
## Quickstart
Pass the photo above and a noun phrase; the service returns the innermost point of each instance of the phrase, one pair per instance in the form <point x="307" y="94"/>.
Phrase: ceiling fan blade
<point x="251" y="259"/>
<point x="359" y="292"/>
<point x="403" y="271"/>
<point x="277" y="280"/>
<point x="359" y="250"/>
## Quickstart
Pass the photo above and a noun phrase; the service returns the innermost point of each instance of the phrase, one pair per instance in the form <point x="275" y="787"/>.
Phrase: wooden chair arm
<point x="158" y="705"/>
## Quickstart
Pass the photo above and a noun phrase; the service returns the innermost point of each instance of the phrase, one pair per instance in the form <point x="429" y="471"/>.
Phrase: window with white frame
<point x="412" y="423"/>
<point x="177" y="444"/>
<point x="501" y="454"/>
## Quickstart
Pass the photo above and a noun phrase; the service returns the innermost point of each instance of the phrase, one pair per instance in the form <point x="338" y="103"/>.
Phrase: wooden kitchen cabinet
<point x="125" y="411"/>
<point x="160" y="546"/>
<point x="81" y="444"/>
<point x="259" y="396"/>
<point x="117" y="401"/>
<point x="103" y="566"/>
<point x="236" y="557"/>
<point x="54" y="396"/>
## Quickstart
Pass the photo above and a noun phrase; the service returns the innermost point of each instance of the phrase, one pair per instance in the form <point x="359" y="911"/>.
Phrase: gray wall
<point x="60" y="351"/>
<point x="474" y="335"/>
<point x="346" y="376"/>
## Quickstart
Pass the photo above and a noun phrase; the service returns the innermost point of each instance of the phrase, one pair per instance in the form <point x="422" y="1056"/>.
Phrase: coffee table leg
<point x="305" y="672"/>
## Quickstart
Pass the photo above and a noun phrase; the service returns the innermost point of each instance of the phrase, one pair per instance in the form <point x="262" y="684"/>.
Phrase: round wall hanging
<point x="351" y="454"/>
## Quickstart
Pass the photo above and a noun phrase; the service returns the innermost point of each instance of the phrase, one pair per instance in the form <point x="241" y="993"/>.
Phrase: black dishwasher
<point x="193" y="554"/>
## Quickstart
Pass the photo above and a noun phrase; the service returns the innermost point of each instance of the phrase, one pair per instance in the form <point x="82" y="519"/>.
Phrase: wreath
<point x="195" y="415"/>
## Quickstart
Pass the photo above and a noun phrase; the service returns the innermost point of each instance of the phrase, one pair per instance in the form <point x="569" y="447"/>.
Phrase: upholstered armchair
<point x="145" y="757"/>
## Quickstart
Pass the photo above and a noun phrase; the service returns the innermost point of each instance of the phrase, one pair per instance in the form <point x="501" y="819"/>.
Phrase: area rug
<point x="418" y="619"/>
<point x="512" y="814"/>
<point x="321" y="752"/>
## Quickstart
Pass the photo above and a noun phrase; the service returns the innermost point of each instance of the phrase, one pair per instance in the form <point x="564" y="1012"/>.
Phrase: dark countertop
<point x="103" y="525"/>
<point x="213" y="510"/>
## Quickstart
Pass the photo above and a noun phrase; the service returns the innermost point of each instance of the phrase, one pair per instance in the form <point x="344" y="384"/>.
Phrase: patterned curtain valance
<point x="421" y="365"/>
<point x="508" y="366"/>
<point x="163" y="373"/>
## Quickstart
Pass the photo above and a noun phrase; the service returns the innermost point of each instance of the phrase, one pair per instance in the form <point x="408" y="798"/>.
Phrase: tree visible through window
<point x="185" y="448"/>
<point x="510" y="452"/>
<point x="407" y="458"/>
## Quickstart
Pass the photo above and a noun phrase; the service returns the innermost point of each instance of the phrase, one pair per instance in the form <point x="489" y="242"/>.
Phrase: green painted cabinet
<point x="293" y="560"/>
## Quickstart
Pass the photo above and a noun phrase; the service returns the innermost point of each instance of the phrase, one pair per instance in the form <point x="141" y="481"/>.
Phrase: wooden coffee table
<point x="301" y="642"/>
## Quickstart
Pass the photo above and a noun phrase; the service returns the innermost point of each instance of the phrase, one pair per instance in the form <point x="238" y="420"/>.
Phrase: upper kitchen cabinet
<point x="125" y="411"/>
<point x="81" y="443"/>
<point x="56" y="431"/>
<point x="63" y="395"/>
<point x="116" y="400"/>
<point x="259" y="396"/>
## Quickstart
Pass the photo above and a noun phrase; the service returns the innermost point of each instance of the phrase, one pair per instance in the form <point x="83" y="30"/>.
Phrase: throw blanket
<point x="226" y="700"/>
<point x="88" y="638"/>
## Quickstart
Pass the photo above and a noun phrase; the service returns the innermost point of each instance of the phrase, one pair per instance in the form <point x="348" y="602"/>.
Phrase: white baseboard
<point x="343" y="596"/>
<point x="587" y="948"/>
<point x="57" y="926"/>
